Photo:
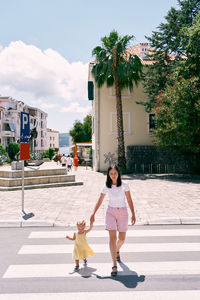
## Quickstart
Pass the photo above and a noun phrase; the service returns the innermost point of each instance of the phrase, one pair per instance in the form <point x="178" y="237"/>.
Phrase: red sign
<point x="24" y="151"/>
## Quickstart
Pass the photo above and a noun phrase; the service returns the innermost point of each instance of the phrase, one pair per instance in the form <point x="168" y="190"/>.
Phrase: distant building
<point x="53" y="139"/>
<point x="10" y="110"/>
<point x="64" y="139"/>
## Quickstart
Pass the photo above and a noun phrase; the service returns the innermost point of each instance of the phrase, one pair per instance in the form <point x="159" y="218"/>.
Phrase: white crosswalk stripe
<point x="103" y="269"/>
<point x="101" y="248"/>
<point x="38" y="246"/>
<point x="142" y="295"/>
<point x="130" y="233"/>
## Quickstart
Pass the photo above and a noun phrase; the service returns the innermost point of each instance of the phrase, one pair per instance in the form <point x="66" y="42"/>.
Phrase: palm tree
<point x="116" y="66"/>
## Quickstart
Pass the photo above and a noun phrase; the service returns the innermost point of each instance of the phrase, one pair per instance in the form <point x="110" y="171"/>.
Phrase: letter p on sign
<point x="24" y="121"/>
<point x="25" y="128"/>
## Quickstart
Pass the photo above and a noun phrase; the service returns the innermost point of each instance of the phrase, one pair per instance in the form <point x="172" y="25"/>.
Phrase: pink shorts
<point x="117" y="219"/>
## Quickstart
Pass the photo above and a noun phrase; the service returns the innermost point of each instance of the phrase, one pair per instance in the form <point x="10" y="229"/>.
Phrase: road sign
<point x="25" y="128"/>
<point x="24" y="151"/>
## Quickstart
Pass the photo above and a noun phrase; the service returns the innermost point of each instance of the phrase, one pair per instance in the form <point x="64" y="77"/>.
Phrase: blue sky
<point x="45" y="47"/>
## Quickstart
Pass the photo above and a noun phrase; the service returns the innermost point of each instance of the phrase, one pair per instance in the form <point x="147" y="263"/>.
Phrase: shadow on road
<point x="130" y="280"/>
<point x="170" y="177"/>
<point x="86" y="272"/>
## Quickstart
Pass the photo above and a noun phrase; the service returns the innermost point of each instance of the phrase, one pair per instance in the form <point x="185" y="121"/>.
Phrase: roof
<point x="51" y="130"/>
<point x="136" y="50"/>
<point x="82" y="144"/>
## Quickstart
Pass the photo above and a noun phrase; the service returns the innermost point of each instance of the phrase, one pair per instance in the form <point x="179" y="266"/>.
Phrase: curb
<point x="20" y="224"/>
<point x="43" y="223"/>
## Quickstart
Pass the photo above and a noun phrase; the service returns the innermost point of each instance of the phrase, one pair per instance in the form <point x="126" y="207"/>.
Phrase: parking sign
<point x="25" y="128"/>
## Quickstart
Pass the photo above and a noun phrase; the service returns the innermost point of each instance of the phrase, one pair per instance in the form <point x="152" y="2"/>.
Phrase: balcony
<point x="8" y="133"/>
<point x="7" y="119"/>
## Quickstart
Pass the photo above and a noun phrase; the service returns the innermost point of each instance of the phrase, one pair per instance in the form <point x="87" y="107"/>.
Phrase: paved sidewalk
<point x="156" y="201"/>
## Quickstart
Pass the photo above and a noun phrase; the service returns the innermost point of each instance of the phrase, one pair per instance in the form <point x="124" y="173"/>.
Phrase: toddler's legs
<point x="77" y="266"/>
<point x="77" y="262"/>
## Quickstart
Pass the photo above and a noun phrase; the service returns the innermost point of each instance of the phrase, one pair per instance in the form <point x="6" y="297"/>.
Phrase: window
<point x="152" y="122"/>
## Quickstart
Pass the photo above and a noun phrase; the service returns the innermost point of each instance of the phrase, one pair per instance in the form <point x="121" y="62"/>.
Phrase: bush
<point x="57" y="157"/>
<point x="13" y="150"/>
<point x="48" y="153"/>
<point x="51" y="153"/>
<point x="3" y="155"/>
<point x="178" y="115"/>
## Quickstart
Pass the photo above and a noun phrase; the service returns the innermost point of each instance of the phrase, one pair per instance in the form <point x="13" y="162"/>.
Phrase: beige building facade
<point x="137" y="122"/>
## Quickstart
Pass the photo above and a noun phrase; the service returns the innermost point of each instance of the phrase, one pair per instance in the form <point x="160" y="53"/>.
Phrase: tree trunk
<point x="120" y="127"/>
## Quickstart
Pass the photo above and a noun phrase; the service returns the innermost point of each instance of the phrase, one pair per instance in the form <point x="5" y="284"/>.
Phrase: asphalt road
<point x="158" y="262"/>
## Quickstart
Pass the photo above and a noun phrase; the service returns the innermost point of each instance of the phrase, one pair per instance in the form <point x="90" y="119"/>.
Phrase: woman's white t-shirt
<point x="116" y="194"/>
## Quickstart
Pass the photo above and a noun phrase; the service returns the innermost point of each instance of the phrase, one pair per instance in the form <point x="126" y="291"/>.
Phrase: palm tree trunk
<point x="120" y="128"/>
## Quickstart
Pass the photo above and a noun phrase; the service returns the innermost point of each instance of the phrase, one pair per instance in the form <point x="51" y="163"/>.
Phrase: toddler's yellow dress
<point x="81" y="248"/>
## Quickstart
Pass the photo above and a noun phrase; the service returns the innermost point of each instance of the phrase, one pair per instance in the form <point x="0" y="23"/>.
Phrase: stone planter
<point x="16" y="165"/>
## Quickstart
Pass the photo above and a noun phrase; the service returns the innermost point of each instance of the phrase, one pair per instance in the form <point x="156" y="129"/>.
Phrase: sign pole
<point x="23" y="186"/>
<point x="24" y="146"/>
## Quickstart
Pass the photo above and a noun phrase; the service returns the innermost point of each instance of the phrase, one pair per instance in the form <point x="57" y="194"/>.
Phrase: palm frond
<point x="96" y="50"/>
<point x="129" y="67"/>
<point x="110" y="41"/>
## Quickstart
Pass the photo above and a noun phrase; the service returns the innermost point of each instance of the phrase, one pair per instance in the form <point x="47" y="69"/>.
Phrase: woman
<point x="116" y="215"/>
<point x="76" y="160"/>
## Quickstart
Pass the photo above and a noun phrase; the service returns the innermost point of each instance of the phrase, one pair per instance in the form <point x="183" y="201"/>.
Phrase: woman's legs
<point x="120" y="241"/>
<point x="112" y="244"/>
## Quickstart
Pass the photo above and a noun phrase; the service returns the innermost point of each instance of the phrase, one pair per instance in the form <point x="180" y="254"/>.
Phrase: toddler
<point x="81" y="248"/>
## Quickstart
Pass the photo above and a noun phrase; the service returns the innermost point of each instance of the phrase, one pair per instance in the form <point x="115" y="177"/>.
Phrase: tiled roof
<point x="136" y="50"/>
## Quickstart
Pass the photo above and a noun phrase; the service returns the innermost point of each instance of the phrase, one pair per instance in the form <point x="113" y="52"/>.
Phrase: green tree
<point x="178" y="115"/>
<point x="3" y="155"/>
<point x="190" y="65"/>
<point x="2" y="150"/>
<point x="115" y="66"/>
<point x="82" y="132"/>
<point x="49" y="153"/>
<point x="87" y="128"/>
<point x="13" y="150"/>
<point x="171" y="48"/>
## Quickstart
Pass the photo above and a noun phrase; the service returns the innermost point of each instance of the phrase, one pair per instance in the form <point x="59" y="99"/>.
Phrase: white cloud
<point x="47" y="105"/>
<point x="41" y="74"/>
<point x="75" y="107"/>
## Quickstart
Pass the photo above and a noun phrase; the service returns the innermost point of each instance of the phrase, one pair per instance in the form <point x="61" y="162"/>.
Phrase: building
<point x="53" y="139"/>
<point x="10" y="110"/>
<point x="64" y="139"/>
<point x="137" y="123"/>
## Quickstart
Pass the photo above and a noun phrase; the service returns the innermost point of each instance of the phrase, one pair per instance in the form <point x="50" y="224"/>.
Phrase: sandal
<point x="118" y="257"/>
<point x="114" y="273"/>
<point x="76" y="269"/>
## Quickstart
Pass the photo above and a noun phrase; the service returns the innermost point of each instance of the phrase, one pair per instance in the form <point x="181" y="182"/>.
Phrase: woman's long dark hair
<point x="109" y="180"/>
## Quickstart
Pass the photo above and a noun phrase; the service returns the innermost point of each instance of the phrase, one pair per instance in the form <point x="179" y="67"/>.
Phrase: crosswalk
<point x="158" y="263"/>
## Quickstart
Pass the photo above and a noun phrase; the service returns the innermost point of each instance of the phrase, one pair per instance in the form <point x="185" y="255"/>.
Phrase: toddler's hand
<point x="67" y="237"/>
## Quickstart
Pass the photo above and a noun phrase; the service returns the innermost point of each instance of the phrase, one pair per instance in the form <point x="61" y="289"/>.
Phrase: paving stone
<point x="155" y="200"/>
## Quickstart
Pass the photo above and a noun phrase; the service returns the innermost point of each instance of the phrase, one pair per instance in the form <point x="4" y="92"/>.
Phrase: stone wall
<point x="152" y="159"/>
